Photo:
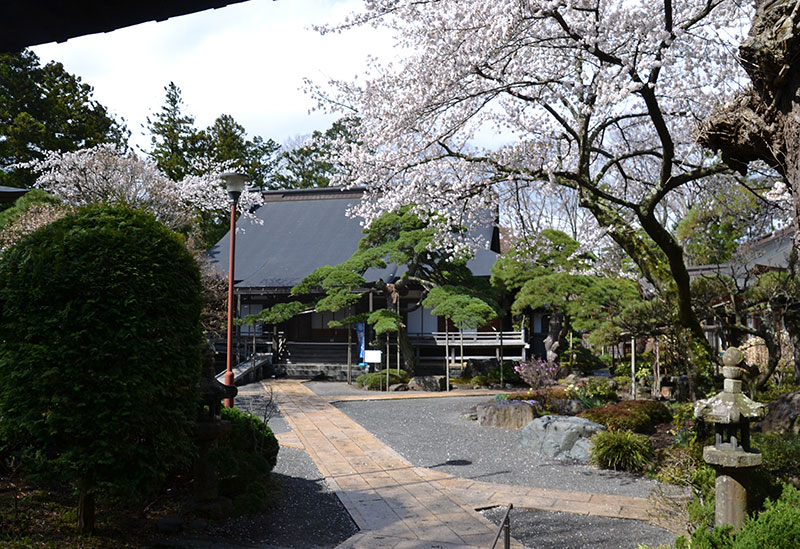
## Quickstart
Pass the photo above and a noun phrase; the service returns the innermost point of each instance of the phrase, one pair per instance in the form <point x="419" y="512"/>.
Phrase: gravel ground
<point x="546" y="530"/>
<point x="431" y="433"/>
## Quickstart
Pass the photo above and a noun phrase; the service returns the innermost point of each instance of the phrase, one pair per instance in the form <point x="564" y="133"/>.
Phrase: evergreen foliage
<point x="46" y="108"/>
<point x="23" y="203"/>
<point x="101" y="354"/>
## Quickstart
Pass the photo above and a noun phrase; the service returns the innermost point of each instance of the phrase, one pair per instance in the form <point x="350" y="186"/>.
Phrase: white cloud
<point x="247" y="60"/>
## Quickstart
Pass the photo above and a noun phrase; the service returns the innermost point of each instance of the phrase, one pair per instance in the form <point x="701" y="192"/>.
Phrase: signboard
<point x="372" y="357"/>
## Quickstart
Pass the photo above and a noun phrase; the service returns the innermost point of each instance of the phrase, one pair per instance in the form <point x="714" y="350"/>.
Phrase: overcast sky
<point x="247" y="60"/>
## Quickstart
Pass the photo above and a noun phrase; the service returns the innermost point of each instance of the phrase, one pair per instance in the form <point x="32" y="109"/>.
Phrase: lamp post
<point x="234" y="183"/>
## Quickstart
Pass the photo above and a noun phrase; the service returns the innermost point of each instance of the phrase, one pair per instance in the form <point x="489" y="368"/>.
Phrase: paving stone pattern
<point x="396" y="504"/>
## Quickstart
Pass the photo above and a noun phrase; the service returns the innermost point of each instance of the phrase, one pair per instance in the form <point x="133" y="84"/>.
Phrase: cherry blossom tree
<point x="114" y="176"/>
<point x="598" y="97"/>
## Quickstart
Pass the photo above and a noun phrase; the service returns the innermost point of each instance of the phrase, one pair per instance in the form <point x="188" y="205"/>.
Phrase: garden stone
<point x="427" y="383"/>
<point x="783" y="415"/>
<point x="479" y="367"/>
<point x="508" y="414"/>
<point x="575" y="407"/>
<point x="398" y="387"/>
<point x="572" y="379"/>
<point x="560" y="437"/>
<point x="470" y="413"/>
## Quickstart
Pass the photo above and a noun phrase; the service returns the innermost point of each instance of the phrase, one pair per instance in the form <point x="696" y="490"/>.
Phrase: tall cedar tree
<point x="46" y="108"/>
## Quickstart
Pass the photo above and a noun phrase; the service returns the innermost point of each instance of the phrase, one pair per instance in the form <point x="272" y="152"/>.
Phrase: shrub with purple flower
<point x="537" y="373"/>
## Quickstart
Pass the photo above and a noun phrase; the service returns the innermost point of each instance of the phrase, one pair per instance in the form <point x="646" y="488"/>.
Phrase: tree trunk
<point x="86" y="512"/>
<point x="407" y="350"/>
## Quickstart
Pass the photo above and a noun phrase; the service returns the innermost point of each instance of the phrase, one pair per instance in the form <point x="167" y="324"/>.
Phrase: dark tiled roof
<point x="10" y="194"/>
<point x="769" y="253"/>
<point x="301" y="231"/>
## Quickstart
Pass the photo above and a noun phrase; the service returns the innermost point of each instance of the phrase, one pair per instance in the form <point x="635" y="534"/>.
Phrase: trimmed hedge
<point x="639" y="416"/>
<point x="100" y="358"/>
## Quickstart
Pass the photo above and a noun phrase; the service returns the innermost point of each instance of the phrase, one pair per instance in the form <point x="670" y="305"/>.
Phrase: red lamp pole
<point x="234" y="183"/>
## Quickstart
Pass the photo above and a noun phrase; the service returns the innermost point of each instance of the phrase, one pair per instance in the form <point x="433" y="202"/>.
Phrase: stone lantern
<point x="731" y="413"/>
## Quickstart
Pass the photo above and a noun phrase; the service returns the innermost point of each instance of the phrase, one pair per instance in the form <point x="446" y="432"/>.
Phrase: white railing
<point x="489" y="339"/>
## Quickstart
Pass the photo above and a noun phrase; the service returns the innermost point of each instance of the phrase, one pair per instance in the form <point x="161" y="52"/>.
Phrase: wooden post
<point x="657" y="371"/>
<point x="388" y="354"/>
<point x="502" y="383"/>
<point x="398" y="338"/>
<point x="349" y="353"/>
<point x="633" y="368"/>
<point x="447" y="350"/>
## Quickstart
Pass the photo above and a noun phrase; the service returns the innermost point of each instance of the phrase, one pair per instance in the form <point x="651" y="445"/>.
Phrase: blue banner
<point x="360" y="335"/>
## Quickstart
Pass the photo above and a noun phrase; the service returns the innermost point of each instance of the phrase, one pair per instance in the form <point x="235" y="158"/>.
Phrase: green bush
<point x="776" y="527"/>
<point x="774" y="391"/>
<point x="780" y="453"/>
<point x="623" y="382"/>
<point x="251" y="435"/>
<point x="585" y="361"/>
<point x="599" y="388"/>
<point x="510" y="375"/>
<point x="375" y="380"/>
<point x="480" y="381"/>
<point x="639" y="416"/>
<point x="244" y="461"/>
<point x="644" y="361"/>
<point x="621" y="450"/>
<point x="100" y="324"/>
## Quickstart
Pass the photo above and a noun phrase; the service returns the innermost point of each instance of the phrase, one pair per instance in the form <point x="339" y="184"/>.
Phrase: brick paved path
<point x="398" y="505"/>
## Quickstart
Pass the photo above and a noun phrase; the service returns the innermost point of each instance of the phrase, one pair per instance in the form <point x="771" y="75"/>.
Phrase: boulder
<point x="572" y="379"/>
<point x="783" y="415"/>
<point x="560" y="437"/>
<point x="398" y="387"/>
<point x="427" y="383"/>
<point x="508" y="414"/>
<point x="470" y="413"/>
<point x="575" y="407"/>
<point x="479" y="367"/>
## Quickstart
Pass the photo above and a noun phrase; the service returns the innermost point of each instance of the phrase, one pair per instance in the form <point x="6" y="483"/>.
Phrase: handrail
<point x="497" y="338"/>
<point x="505" y="526"/>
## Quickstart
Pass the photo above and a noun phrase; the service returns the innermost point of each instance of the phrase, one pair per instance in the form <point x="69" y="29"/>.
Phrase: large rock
<point x="783" y="415"/>
<point x="427" y="383"/>
<point x="479" y="367"/>
<point x="560" y="437"/>
<point x="509" y="414"/>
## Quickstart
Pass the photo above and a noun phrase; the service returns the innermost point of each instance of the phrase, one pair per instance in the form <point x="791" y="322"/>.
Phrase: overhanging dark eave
<point x="34" y="22"/>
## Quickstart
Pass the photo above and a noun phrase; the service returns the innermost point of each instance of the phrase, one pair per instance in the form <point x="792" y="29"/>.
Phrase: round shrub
<point x="249" y="434"/>
<point x="639" y="416"/>
<point x="376" y="380"/>
<point x="480" y="381"/>
<point x="621" y="450"/>
<point x="244" y="460"/>
<point x="100" y="324"/>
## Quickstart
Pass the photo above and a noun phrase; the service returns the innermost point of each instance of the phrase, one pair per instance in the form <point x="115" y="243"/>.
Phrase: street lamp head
<point x="234" y="183"/>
